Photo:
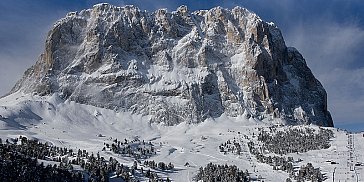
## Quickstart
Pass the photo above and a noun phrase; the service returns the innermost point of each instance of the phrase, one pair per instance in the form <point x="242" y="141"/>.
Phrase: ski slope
<point x="77" y="126"/>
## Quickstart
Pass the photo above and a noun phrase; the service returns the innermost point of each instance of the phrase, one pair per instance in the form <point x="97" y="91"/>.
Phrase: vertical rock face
<point x="178" y="66"/>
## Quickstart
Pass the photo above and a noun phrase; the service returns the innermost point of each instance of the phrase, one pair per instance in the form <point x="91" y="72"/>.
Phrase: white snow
<point x="68" y="124"/>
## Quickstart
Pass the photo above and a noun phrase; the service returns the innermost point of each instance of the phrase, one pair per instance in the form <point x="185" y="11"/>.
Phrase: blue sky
<point x="329" y="34"/>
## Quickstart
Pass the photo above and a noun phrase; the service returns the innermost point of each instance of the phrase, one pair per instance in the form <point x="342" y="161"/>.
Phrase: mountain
<point x="178" y="66"/>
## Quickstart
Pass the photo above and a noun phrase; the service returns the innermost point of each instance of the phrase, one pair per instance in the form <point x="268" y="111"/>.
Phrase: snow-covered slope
<point x="77" y="126"/>
<point x="178" y="66"/>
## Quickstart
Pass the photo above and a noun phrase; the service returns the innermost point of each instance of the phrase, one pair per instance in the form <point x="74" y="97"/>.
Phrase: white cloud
<point x="327" y="45"/>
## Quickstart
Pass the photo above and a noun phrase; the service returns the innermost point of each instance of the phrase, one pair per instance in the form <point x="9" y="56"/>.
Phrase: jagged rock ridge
<point x="178" y="66"/>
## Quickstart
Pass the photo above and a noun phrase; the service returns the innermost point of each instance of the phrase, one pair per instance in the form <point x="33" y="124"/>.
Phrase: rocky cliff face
<point x="178" y="66"/>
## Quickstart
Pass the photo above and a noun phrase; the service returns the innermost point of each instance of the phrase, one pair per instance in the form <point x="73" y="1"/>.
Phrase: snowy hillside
<point x="178" y="66"/>
<point x="77" y="126"/>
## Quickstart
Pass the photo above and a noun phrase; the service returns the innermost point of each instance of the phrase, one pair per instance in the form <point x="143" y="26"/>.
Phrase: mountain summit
<point x="178" y="66"/>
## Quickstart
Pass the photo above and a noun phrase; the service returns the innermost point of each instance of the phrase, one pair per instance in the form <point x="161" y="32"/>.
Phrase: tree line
<point x="22" y="159"/>
<point x="221" y="173"/>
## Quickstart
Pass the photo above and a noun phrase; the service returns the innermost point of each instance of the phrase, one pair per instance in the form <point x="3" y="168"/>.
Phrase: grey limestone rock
<point x="178" y="66"/>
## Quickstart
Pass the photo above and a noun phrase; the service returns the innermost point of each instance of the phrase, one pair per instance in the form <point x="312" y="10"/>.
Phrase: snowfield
<point x="76" y="126"/>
